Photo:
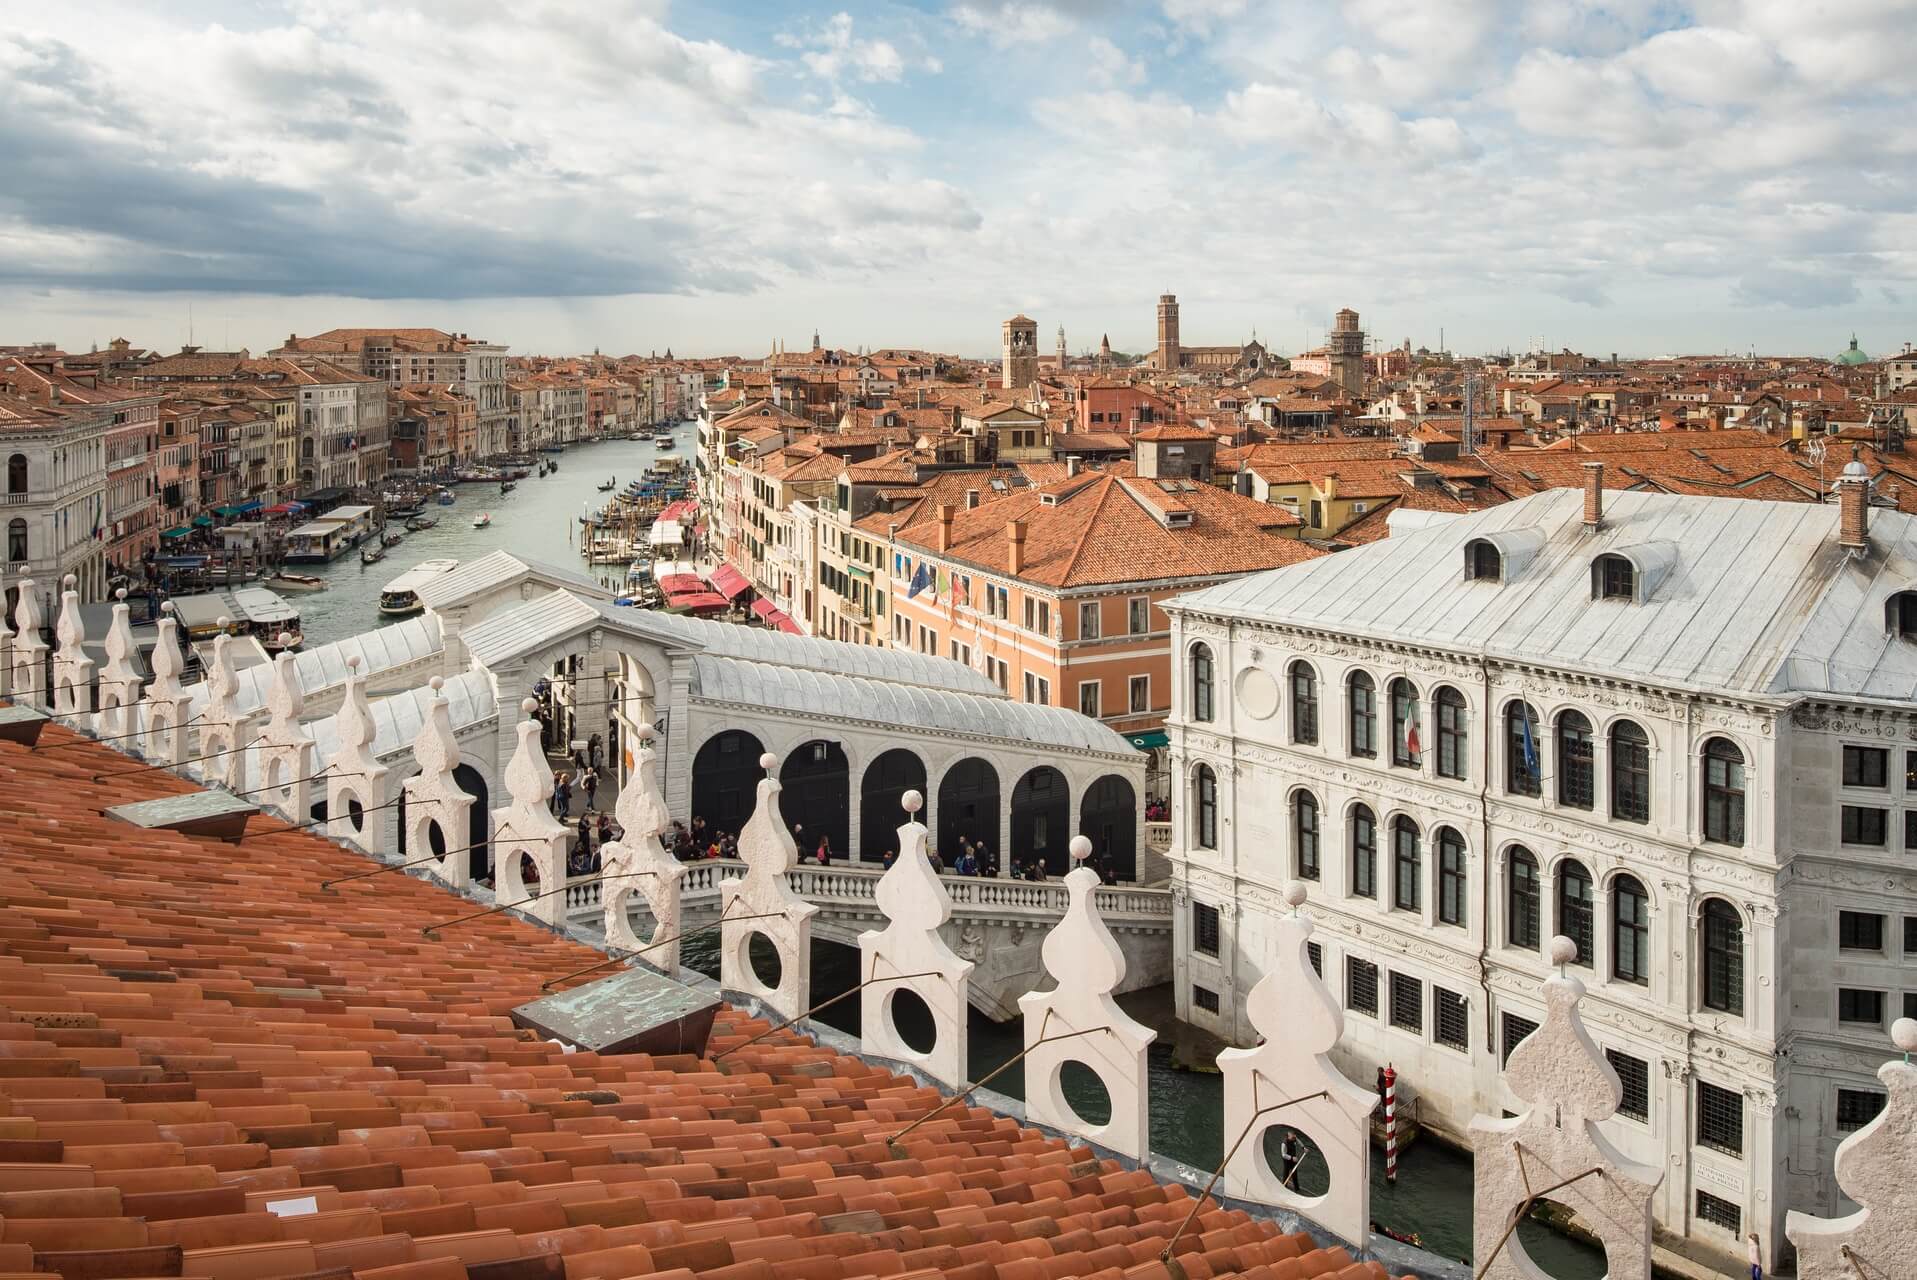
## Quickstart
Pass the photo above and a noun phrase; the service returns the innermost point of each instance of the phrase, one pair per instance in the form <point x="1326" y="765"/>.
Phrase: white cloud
<point x="1015" y="22"/>
<point x="831" y="52"/>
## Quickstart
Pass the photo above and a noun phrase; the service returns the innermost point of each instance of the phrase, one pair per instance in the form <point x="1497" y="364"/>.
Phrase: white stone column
<point x="284" y="752"/>
<point x="910" y="949"/>
<point x="435" y="797"/>
<point x="28" y="656"/>
<point x="222" y="725"/>
<point x="526" y="826"/>
<point x="72" y="669"/>
<point x="356" y="776"/>
<point x="120" y="681"/>
<point x="638" y="862"/>
<point x="777" y="913"/>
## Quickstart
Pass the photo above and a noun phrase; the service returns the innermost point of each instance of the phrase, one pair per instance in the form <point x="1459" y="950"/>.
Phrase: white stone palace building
<point x="1679" y="730"/>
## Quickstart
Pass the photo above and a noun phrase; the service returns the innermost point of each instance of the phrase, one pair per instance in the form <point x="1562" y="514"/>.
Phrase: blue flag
<point x="1530" y="744"/>
<point x="920" y="581"/>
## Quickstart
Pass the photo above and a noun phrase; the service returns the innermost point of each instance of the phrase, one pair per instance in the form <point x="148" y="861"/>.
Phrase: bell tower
<point x="1020" y="368"/>
<point x="1168" y="331"/>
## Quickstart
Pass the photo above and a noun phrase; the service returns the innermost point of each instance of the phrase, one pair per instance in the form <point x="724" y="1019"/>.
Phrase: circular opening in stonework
<point x="912" y="1020"/>
<point x="529" y="872"/>
<point x="1544" y="1240"/>
<point x="1085" y="1093"/>
<point x="355" y="814"/>
<point x="1295" y="1162"/>
<point x="435" y="839"/>
<point x="275" y="773"/>
<point x="763" y="955"/>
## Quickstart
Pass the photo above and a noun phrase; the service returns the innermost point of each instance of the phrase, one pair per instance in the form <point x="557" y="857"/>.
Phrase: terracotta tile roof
<point x="190" y="1035"/>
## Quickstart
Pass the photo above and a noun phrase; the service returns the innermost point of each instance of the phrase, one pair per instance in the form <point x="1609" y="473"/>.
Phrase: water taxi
<point x="296" y="582"/>
<point x="481" y="520"/>
<point x="401" y="596"/>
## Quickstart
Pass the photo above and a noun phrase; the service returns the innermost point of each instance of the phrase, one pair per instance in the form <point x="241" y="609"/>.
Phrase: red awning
<point x="729" y="582"/>
<point x="679" y="583"/>
<point x="783" y="621"/>
<point x="696" y="601"/>
<point x="764" y="608"/>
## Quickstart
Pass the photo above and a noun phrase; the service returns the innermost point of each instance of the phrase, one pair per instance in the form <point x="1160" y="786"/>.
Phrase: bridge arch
<point x="881" y="787"/>
<point x="815" y="794"/>
<point x="1108" y="817"/>
<point x="968" y="807"/>
<point x="1041" y="818"/>
<point x="725" y="778"/>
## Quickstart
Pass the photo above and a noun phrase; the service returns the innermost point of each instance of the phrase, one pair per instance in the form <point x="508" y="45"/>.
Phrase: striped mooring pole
<point x="1391" y="1124"/>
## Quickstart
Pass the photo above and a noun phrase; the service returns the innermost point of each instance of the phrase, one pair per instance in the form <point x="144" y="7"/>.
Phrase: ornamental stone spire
<point x="357" y="784"/>
<point x="435" y="806"/>
<point x="525" y="831"/>
<point x="165" y="708"/>
<point x="119" y="692"/>
<point x="72" y="669"/>
<point x="637" y="862"/>
<point x="768" y="851"/>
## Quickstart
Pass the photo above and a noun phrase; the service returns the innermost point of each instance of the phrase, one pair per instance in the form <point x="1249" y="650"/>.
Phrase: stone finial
<point x="637" y="862"/>
<point x="1087" y="966"/>
<point x="120" y="679"/>
<point x="222" y="723"/>
<point x="165" y="707"/>
<point x="770" y="853"/>
<point x="283" y="749"/>
<point x="72" y="669"/>
<point x="1561" y="1072"/>
<point x="355" y="776"/>
<point x="1873" y="1168"/>
<point x="526" y="829"/>
<point x="6" y="645"/>
<point x="1300" y="1022"/>
<point x="27" y="662"/>
<point x="433" y="796"/>
<point x="916" y="904"/>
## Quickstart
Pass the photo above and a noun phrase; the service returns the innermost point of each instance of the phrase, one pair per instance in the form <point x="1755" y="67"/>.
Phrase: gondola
<point x="371" y="555"/>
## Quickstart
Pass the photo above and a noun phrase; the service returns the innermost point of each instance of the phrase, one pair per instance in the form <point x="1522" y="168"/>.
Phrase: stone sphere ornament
<point x="911" y="802"/>
<point x="1294" y="894"/>
<point x="1081" y="849"/>
<point x="1563" y="951"/>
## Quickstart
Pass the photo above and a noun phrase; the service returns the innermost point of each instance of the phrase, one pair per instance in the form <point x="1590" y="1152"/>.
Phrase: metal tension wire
<point x="318" y="822"/>
<point x="995" y="1073"/>
<point x="823" y="1004"/>
<point x="432" y="930"/>
<point x="1165" y="1256"/>
<point x="137" y="733"/>
<point x="1524" y="1210"/>
<point x="174" y="764"/>
<point x="550" y="983"/>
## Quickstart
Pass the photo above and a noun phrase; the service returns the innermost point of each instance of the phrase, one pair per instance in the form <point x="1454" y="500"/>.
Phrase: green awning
<point x="202" y="522"/>
<point x="227" y="512"/>
<point x="180" y="532"/>
<point x="1149" y="740"/>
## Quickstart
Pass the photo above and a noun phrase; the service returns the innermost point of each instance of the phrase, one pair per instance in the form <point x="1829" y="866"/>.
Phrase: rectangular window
<point x="1088" y="698"/>
<point x="1860" y="931"/>
<point x="1857" y="1108"/>
<point x="1364" y="718"/>
<point x="1452" y="738"/>
<point x="1364" y="854"/>
<point x="1407" y="1003"/>
<point x="1304" y="705"/>
<point x="1910" y="830"/>
<point x="1316" y="954"/>
<point x="1088" y="621"/>
<point x="1720" y="1212"/>
<point x="1451" y="1019"/>
<point x="1138" y="615"/>
<point x="1204" y="929"/>
<point x="1867" y="767"/>
<point x="1910" y="935"/>
<point x="1515" y="1029"/>
<point x="1361" y="986"/>
<point x="1720" y="1119"/>
<point x="1865" y="826"/>
<point x="1635" y="1075"/>
<point x="1860" y="1008"/>
<point x="1204" y="998"/>
<point x="1141" y="694"/>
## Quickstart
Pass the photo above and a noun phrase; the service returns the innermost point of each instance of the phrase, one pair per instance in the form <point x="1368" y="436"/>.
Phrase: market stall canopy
<point x="729" y="582"/>
<point x="696" y="601"/>
<point x="680" y="583"/>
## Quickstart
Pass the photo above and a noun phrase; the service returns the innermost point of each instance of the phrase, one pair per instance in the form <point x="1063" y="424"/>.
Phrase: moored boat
<point x="416" y="523"/>
<point x="481" y="520"/>
<point x="401" y="596"/>
<point x="296" y="582"/>
<point x="372" y="555"/>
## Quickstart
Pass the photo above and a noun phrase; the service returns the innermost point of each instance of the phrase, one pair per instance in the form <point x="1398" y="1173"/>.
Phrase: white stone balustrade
<point x="1555" y="1148"/>
<point x="72" y="669"/>
<point x="28" y="658"/>
<point x="784" y="918"/>
<point x="1875" y="1168"/>
<point x="1299" y="1021"/>
<point x="119" y="692"/>
<point x="910" y="949"/>
<point x="357" y="787"/>
<point x="1086" y="964"/>
<point x="284" y="752"/>
<point x="637" y="862"/>
<point x="435" y="805"/>
<point x="526" y="830"/>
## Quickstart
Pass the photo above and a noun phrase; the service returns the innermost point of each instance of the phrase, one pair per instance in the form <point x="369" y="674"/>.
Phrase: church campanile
<point x="1167" y="331"/>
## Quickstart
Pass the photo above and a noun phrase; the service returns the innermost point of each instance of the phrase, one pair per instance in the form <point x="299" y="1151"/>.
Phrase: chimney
<point x="1015" y="552"/>
<point x="1853" y="505"/>
<point x="945" y="527"/>
<point x="1593" y="495"/>
<point x="1071" y="464"/>
<point x="971" y="499"/>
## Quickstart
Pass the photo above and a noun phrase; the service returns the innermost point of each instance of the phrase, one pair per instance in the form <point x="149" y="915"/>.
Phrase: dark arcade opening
<point x="1108" y="818"/>
<point x="886" y="781"/>
<point x="1041" y="819"/>
<point x="725" y="779"/>
<point x="968" y="808"/>
<point x="815" y="796"/>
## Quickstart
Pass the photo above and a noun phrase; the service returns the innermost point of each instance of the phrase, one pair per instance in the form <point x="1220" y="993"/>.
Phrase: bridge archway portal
<point x="725" y="777"/>
<point x="1041" y="818"/>
<point x="885" y="783"/>
<point x="968" y="808"/>
<point x="1108" y="817"/>
<point x="815" y="797"/>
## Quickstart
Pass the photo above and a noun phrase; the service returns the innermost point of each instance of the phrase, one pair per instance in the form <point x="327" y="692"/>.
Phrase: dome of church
<point x="1852" y="355"/>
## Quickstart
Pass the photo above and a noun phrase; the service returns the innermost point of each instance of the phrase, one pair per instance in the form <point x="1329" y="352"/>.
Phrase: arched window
<point x="1576" y="761"/>
<point x="1205" y="783"/>
<point x="1453" y="734"/>
<point x="17" y="473"/>
<point x="1451" y="877"/>
<point x="17" y="541"/>
<point x="1630" y="773"/>
<point x="1522" y="768"/>
<point x="1723" y="792"/>
<point x="1362" y="698"/>
<point x="1304" y="834"/>
<point x="1406" y="744"/>
<point x="1574" y="908"/>
<point x="1900" y="615"/>
<point x="1406" y="868"/>
<point x="1613" y="578"/>
<point x="1723" y="960"/>
<point x="1201" y="682"/>
<point x="1630" y="931"/>
<point x="1484" y="561"/>
<point x="1522" y="908"/>
<point x="1304" y="704"/>
<point x="1364" y="853"/>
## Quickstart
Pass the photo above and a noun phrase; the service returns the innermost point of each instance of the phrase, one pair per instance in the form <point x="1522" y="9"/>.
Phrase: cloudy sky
<point x="714" y="175"/>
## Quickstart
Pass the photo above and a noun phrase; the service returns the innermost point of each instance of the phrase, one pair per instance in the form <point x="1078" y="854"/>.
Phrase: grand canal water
<point x="539" y="520"/>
